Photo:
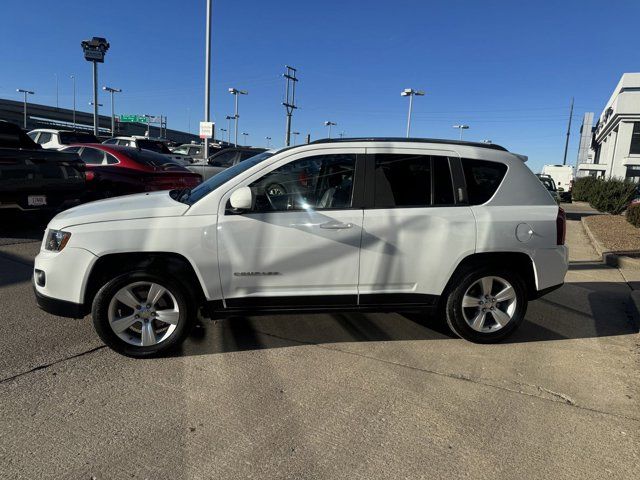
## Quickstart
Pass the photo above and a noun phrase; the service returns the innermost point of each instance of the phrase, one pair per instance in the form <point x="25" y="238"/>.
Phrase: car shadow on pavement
<point x="577" y="310"/>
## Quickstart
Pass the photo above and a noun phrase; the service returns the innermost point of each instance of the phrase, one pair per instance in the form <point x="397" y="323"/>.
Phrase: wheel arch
<point x="520" y="262"/>
<point x="164" y="263"/>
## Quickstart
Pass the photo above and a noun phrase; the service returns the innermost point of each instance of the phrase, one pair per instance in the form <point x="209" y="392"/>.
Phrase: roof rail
<point x="491" y="146"/>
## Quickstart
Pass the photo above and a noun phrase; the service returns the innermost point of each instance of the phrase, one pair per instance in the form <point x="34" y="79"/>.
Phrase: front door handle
<point x="333" y="225"/>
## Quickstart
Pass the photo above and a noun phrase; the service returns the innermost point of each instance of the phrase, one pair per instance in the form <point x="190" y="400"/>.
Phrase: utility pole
<point x="410" y="92"/>
<point x="566" y="145"/>
<point x="236" y="92"/>
<point x="113" y="116"/>
<point x="207" y="75"/>
<point x="329" y="124"/>
<point x="73" y="77"/>
<point x="26" y="92"/>
<point x="289" y="99"/>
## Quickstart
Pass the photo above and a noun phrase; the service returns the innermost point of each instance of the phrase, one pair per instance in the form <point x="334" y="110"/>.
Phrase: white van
<point x="563" y="176"/>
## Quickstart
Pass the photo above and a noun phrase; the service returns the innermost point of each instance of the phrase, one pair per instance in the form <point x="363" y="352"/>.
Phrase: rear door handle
<point x="336" y="225"/>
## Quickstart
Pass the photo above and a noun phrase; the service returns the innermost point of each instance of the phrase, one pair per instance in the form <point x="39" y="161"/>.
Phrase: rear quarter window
<point x="483" y="179"/>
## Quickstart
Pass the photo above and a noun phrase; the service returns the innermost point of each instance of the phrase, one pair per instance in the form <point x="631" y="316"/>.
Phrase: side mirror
<point x="241" y="199"/>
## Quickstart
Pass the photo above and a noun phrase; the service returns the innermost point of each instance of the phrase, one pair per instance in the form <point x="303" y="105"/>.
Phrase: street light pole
<point x="57" y="104"/>
<point x="329" y="124"/>
<point x="461" y="128"/>
<point x="236" y="92"/>
<point x="295" y="136"/>
<point x="113" y="117"/>
<point x="410" y="92"/>
<point x="73" y="77"/>
<point x="207" y="76"/>
<point x="245" y="135"/>
<point x="268" y="139"/>
<point x="94" y="52"/>
<point x="26" y="92"/>
<point x="229" y="118"/>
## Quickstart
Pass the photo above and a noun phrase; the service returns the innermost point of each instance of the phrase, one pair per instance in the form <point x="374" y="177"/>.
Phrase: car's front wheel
<point x="486" y="304"/>
<point x="141" y="314"/>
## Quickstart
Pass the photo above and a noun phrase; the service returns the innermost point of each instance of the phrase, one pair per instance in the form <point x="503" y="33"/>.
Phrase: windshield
<point x="154" y="146"/>
<point x="548" y="182"/>
<point x="221" y="178"/>
<point x="67" y="138"/>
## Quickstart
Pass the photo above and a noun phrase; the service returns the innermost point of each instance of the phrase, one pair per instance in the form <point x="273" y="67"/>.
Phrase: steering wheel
<point x="275" y="190"/>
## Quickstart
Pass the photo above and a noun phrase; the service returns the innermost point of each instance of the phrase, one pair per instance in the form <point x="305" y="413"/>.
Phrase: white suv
<point x="351" y="225"/>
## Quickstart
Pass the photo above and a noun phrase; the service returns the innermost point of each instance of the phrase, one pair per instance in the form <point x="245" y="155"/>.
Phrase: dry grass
<point x="614" y="232"/>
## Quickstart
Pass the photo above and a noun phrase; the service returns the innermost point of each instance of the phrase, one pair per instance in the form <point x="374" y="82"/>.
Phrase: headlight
<point x="56" y="240"/>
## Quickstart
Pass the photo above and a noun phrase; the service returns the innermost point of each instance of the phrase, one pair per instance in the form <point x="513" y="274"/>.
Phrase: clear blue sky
<point x="506" y="68"/>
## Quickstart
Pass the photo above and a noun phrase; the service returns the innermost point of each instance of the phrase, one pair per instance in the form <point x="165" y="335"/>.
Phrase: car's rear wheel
<point x="141" y="314"/>
<point x="486" y="304"/>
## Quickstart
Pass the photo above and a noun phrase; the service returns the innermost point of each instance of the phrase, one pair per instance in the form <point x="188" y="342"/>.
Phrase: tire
<point x="162" y="327"/>
<point x="467" y="321"/>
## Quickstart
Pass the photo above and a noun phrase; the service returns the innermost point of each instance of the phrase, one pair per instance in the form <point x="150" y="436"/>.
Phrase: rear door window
<point x="483" y="179"/>
<point x="224" y="159"/>
<point x="402" y="180"/>
<point x="92" y="156"/>
<point x="44" y="137"/>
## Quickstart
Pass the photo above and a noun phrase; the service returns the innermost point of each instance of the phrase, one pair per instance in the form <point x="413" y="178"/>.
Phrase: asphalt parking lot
<point x="326" y="396"/>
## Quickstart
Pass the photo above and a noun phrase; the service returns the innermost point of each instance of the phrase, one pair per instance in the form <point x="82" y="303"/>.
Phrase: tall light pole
<point x="566" y="145"/>
<point x="229" y="118"/>
<point x="268" y="139"/>
<point x="236" y="92"/>
<point x="295" y="136"/>
<point x="57" y="104"/>
<point x="73" y="78"/>
<point x="245" y="135"/>
<point x="341" y="134"/>
<point x="222" y="134"/>
<point x="410" y="92"/>
<point x="461" y="128"/>
<point x="112" y="90"/>
<point x="207" y="76"/>
<point x="329" y="124"/>
<point x="94" y="51"/>
<point x="26" y="92"/>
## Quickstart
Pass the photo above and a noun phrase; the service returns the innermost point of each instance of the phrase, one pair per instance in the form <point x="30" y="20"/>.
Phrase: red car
<point x="114" y="170"/>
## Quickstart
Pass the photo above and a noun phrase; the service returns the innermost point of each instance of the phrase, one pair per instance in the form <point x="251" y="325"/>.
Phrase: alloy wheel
<point x="489" y="304"/>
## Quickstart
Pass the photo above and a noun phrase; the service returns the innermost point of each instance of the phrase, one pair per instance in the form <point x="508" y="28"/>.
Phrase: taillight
<point x="571" y="185"/>
<point x="561" y="226"/>
<point x="89" y="176"/>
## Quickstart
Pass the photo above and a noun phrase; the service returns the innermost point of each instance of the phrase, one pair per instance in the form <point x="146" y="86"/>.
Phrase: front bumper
<point x="61" y="308"/>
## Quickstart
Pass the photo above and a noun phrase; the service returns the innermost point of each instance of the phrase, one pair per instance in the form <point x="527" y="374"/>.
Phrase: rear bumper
<point x="61" y="308"/>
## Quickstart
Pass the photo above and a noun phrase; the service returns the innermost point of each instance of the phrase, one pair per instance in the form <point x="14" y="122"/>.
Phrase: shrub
<point x="633" y="215"/>
<point x="584" y="187"/>
<point x="612" y="196"/>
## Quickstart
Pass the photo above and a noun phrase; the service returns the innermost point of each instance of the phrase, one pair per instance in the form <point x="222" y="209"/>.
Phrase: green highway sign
<point x="133" y="118"/>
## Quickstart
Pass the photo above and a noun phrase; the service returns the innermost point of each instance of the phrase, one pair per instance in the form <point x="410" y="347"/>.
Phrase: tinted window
<point x="247" y="154"/>
<point x="319" y="183"/>
<point x="32" y="135"/>
<point x="223" y="159"/>
<point x="154" y="146"/>
<point x="635" y="139"/>
<point x="147" y="157"/>
<point x="77" y="137"/>
<point x="442" y="181"/>
<point x="194" y="151"/>
<point x="44" y="137"/>
<point x="92" y="156"/>
<point x="402" y="180"/>
<point x="111" y="141"/>
<point x="483" y="179"/>
<point x="111" y="159"/>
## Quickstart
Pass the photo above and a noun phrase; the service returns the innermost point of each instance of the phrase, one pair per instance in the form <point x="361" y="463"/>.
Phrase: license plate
<point x="36" y="200"/>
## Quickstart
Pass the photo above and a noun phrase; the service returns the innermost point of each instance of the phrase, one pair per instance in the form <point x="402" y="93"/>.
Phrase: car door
<point x="299" y="246"/>
<point x="416" y="226"/>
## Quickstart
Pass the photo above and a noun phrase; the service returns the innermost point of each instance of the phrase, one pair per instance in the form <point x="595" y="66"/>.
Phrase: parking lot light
<point x="329" y="124"/>
<point x="244" y="140"/>
<point x="295" y="136"/>
<point x="461" y="128"/>
<point x="112" y="90"/>
<point x="236" y="116"/>
<point x="26" y="92"/>
<point x="268" y="139"/>
<point x="410" y="92"/>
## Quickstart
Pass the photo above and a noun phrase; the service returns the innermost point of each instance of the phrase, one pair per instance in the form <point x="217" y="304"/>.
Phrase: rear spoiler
<point x="524" y="158"/>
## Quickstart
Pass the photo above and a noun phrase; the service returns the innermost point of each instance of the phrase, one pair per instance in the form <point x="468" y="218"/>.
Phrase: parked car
<point x="390" y="225"/>
<point x="223" y="159"/>
<point x="194" y="151"/>
<point x="32" y="178"/>
<point x="113" y="170"/>
<point x="152" y="145"/>
<point x="57" y="139"/>
<point x="563" y="177"/>
<point x="550" y="185"/>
